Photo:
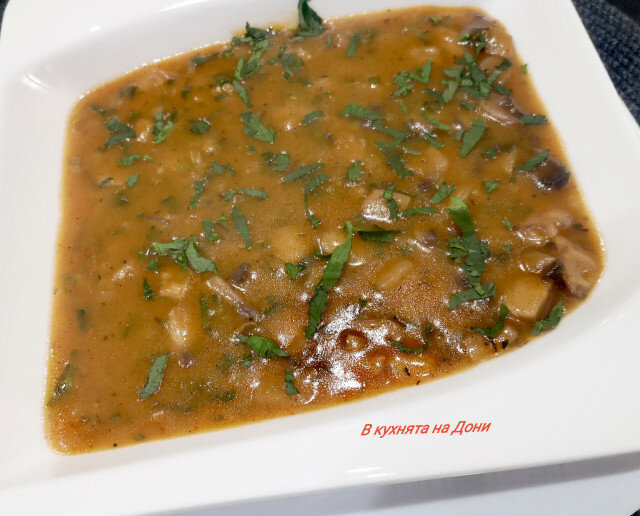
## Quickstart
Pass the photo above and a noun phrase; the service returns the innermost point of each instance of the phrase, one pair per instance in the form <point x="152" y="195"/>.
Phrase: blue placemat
<point x="616" y="36"/>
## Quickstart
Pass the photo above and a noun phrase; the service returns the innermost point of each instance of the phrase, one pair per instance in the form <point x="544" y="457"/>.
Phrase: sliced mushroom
<point x="226" y="292"/>
<point x="542" y="227"/>
<point x="579" y="269"/>
<point x="551" y="175"/>
<point x="241" y="274"/>
<point x="501" y="109"/>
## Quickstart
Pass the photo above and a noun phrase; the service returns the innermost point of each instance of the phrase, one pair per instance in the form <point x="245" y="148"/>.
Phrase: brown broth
<point x="106" y="333"/>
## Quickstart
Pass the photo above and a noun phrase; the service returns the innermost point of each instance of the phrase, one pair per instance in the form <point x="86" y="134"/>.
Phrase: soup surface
<point x="302" y="217"/>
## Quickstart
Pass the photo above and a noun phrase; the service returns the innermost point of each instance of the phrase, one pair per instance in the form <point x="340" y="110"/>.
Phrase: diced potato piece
<point x="173" y="285"/>
<point x="435" y="163"/>
<point x="477" y="347"/>
<point x="392" y="275"/>
<point x="143" y="129"/>
<point x="536" y="261"/>
<point x="329" y="240"/>
<point x="180" y="325"/>
<point x="526" y="296"/>
<point x="376" y="208"/>
<point x="289" y="244"/>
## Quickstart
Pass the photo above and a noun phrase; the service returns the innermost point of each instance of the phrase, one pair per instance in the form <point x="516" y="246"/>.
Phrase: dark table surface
<point x="614" y="27"/>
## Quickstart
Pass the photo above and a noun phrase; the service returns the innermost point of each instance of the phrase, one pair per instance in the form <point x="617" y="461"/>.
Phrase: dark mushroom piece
<point x="501" y="109"/>
<point x="550" y="175"/>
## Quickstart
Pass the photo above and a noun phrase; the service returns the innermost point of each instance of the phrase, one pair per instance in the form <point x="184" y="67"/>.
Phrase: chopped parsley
<point x="549" y="322"/>
<point x="472" y="136"/>
<point x="396" y="164"/>
<point x="378" y="235"/>
<point x="199" y="188"/>
<point x="128" y="160"/>
<point x="354" y="172"/>
<point x="251" y="192"/>
<point x="302" y="172"/>
<point x="436" y="123"/>
<point x="162" y="124"/>
<point x="132" y="180"/>
<point x="201" y="126"/>
<point x="533" y="162"/>
<point x="443" y="192"/>
<point x="147" y="291"/>
<point x="119" y="132"/>
<point x="290" y="388"/>
<point x="391" y="202"/>
<point x="154" y="377"/>
<point x="311" y="185"/>
<point x="330" y="277"/>
<point x="263" y="347"/>
<point x="184" y="252"/>
<point x="532" y="119"/>
<point x="497" y="327"/>
<point x="295" y="270"/>
<point x="207" y="226"/>
<point x="309" y="23"/>
<point x="242" y="226"/>
<point x="277" y="161"/>
<point x="490" y="186"/>
<point x="358" y="111"/>
<point x="473" y="249"/>
<point x="255" y="128"/>
<point x="353" y="45"/>
<point x="311" y="117"/>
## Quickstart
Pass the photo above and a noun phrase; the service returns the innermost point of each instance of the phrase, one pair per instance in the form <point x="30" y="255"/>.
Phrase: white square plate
<point x="570" y="395"/>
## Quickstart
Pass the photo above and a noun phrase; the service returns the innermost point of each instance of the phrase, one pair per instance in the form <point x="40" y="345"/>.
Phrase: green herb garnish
<point x="241" y="226"/>
<point x="549" y="322"/>
<point x="185" y="253"/>
<point x="533" y="162"/>
<point x="147" y="291"/>
<point x="497" y="327"/>
<point x="255" y="128"/>
<point x="132" y="180"/>
<point x="357" y="111"/>
<point x="472" y="136"/>
<point x="295" y="270"/>
<point x="353" y="45"/>
<point x="162" y="124"/>
<point x="330" y="276"/>
<point x="262" y="347"/>
<point x="288" y="381"/>
<point x="443" y="192"/>
<point x="119" y="132"/>
<point x="154" y="378"/>
<point x="278" y="162"/>
<point x="309" y="23"/>
<point x="251" y="192"/>
<point x="474" y="250"/>
<point x="490" y="186"/>
<point x="396" y="164"/>
<point x="201" y="126"/>
<point x="534" y="119"/>
<point x="378" y="235"/>
<point x="355" y="171"/>
<point x="310" y="117"/>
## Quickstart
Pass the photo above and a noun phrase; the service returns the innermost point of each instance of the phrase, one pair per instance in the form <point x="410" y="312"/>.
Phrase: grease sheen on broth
<point x="268" y="226"/>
